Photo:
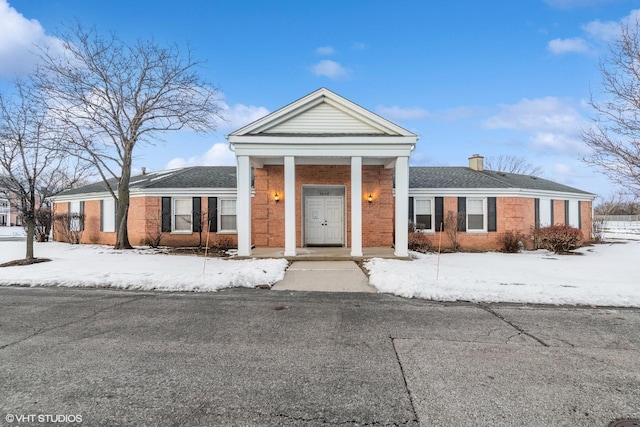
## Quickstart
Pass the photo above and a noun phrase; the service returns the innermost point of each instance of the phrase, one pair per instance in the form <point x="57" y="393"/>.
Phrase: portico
<point x="323" y="173"/>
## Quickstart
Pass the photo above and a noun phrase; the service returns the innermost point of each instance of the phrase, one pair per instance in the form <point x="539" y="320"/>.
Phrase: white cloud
<point x="572" y="45"/>
<point x="596" y="35"/>
<point x="18" y="39"/>
<point x="358" y="46"/>
<point x="557" y="143"/>
<point x="401" y="114"/>
<point x="240" y="115"/>
<point x="325" y="50"/>
<point x="236" y="116"/>
<point x="330" y="69"/>
<point x="605" y="31"/>
<point x="218" y="155"/>
<point x="553" y="124"/>
<point x="540" y="114"/>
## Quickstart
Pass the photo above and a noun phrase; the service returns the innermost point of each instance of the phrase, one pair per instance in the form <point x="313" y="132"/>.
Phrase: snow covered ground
<point x="141" y="269"/>
<point x="12" y="232"/>
<point x="606" y="274"/>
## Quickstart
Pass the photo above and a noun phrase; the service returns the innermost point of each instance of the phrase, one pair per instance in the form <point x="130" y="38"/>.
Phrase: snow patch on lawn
<point x="139" y="269"/>
<point x="12" y="232"/>
<point x="605" y="274"/>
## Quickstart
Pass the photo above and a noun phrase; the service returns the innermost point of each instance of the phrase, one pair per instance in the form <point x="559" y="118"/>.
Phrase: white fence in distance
<point x="627" y="224"/>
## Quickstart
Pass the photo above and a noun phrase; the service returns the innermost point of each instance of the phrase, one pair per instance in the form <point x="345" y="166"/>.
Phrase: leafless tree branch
<point x="32" y="167"/>
<point x="109" y="96"/>
<point x="512" y="164"/>
<point x="614" y="136"/>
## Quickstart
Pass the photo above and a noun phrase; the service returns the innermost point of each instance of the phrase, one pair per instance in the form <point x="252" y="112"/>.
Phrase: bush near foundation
<point x="511" y="242"/>
<point x="559" y="238"/>
<point x="419" y="242"/>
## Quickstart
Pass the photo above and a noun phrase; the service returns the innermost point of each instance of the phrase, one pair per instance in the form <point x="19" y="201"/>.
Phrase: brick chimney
<point x="476" y="163"/>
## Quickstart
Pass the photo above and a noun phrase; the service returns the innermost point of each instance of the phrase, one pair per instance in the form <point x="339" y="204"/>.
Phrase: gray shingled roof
<point x="463" y="177"/>
<point x="192" y="177"/>
<point x="419" y="177"/>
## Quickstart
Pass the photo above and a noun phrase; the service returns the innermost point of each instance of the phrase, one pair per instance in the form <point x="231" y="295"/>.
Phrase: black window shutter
<point x="566" y="212"/>
<point x="462" y="213"/>
<point x="81" y="216"/>
<point x="411" y="208"/>
<point x="536" y="214"/>
<point x="493" y="214"/>
<point x="101" y="215"/>
<point x="213" y="214"/>
<point x="439" y="224"/>
<point x="166" y="214"/>
<point x="69" y="215"/>
<point x="553" y="221"/>
<point x="197" y="214"/>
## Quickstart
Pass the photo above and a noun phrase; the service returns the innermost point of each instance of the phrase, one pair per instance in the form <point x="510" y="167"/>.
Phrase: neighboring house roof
<point x="426" y="177"/>
<point x="191" y="177"/>
<point x="464" y="177"/>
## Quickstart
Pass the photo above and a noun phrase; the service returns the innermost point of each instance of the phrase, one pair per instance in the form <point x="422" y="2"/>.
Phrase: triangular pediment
<point x="322" y="113"/>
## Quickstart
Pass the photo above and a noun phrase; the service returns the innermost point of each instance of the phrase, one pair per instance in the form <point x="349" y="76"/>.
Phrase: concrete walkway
<point x="324" y="276"/>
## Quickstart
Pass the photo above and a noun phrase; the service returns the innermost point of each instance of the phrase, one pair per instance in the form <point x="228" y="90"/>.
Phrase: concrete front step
<point x="324" y="276"/>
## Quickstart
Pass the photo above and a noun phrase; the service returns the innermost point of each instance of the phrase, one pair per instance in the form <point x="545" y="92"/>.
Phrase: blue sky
<point x="498" y="77"/>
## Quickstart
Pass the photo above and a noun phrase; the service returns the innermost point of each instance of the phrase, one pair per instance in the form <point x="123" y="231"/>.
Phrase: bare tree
<point x="617" y="204"/>
<point x="31" y="166"/>
<point x="615" y="135"/>
<point x="111" y="96"/>
<point x="512" y="164"/>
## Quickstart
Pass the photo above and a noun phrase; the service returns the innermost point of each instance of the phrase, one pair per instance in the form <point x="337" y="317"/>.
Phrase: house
<point x="323" y="171"/>
<point x="9" y="215"/>
<point x="488" y="203"/>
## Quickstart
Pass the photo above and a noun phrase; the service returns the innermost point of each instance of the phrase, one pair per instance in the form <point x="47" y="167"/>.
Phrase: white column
<point x="402" y="207"/>
<point x="289" y="206"/>
<point x="356" y="206"/>
<point x="243" y="206"/>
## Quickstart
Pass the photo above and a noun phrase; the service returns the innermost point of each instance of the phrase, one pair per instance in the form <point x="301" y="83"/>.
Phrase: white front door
<point x="324" y="220"/>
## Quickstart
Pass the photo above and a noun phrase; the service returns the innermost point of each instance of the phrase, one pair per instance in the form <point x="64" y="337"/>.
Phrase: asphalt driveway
<point x="259" y="357"/>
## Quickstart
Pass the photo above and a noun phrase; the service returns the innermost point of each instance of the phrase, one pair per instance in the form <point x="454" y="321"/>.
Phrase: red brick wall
<point x="558" y="212"/>
<point x="145" y="216"/>
<point x="513" y="214"/>
<point x="268" y="216"/>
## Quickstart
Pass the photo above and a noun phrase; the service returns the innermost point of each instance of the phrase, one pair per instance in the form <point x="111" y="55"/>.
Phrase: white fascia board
<point x="160" y="192"/>
<point x="366" y="161"/>
<point x="327" y="152"/>
<point x="498" y="192"/>
<point x="183" y="192"/>
<point x="318" y="141"/>
<point x="80" y="197"/>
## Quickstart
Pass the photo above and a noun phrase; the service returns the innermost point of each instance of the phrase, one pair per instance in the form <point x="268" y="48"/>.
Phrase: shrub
<point x="153" y="238"/>
<point x="559" y="238"/>
<point x="223" y="243"/>
<point x="452" y="222"/>
<point x="419" y="242"/>
<point x="70" y="226"/>
<point x="511" y="242"/>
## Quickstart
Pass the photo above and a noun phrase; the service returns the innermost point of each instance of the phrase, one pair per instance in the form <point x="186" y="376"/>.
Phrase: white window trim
<point x="433" y="215"/>
<point x="485" y="215"/>
<point x="219" y="219"/>
<point x="173" y="216"/>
